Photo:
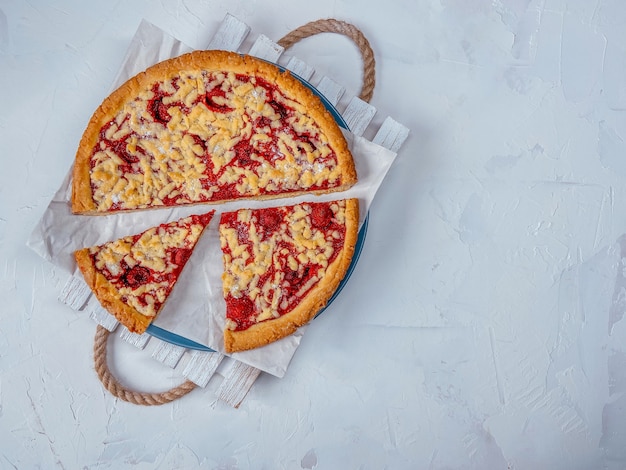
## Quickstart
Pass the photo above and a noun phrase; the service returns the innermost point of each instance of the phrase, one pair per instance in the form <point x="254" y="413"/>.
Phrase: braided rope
<point x="118" y="390"/>
<point x="341" y="27"/>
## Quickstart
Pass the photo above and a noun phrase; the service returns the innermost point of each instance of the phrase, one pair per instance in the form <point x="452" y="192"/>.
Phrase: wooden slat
<point x="332" y="90"/>
<point x="168" y="354"/>
<point x="237" y="383"/>
<point x="265" y="48"/>
<point x="201" y="366"/>
<point x="230" y="34"/>
<point x="358" y="115"/>
<point x="391" y="135"/>
<point x="139" y="341"/>
<point x="103" y="318"/>
<point x="300" y="68"/>
<point x="75" y="293"/>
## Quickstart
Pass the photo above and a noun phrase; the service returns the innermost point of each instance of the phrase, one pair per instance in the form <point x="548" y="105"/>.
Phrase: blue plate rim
<point x="178" y="340"/>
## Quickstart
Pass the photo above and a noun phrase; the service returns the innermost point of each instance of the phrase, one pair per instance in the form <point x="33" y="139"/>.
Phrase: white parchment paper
<point x="196" y="308"/>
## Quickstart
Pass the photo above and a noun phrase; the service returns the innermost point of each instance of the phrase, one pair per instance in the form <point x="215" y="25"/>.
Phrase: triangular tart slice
<point x="208" y="127"/>
<point x="281" y="266"/>
<point x="132" y="277"/>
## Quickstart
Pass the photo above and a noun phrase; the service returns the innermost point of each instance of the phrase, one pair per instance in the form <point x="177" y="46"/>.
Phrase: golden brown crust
<point x="82" y="199"/>
<point x="108" y="295"/>
<point x="268" y="331"/>
<point x="322" y="116"/>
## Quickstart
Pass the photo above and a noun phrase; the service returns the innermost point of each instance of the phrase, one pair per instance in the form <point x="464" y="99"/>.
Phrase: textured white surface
<point x="483" y="326"/>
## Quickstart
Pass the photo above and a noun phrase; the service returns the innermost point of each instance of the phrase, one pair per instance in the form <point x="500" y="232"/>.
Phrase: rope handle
<point x="118" y="390"/>
<point x="340" y="27"/>
<point x="102" y="334"/>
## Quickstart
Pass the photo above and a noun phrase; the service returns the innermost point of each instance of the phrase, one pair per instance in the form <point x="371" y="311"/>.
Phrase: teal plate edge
<point x="178" y="340"/>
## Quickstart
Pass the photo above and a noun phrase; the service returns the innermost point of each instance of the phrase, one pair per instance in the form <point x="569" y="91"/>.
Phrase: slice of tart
<point x="281" y="266"/>
<point x="132" y="277"/>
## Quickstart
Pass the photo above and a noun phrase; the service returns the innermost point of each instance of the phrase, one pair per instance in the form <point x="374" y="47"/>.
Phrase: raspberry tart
<point x="208" y="127"/>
